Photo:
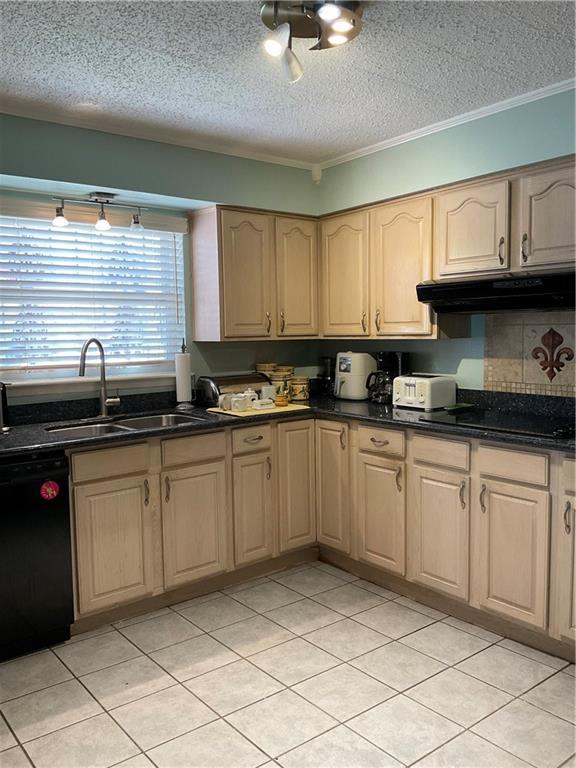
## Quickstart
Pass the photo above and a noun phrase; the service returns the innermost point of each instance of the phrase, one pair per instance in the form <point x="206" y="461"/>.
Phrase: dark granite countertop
<point x="35" y="437"/>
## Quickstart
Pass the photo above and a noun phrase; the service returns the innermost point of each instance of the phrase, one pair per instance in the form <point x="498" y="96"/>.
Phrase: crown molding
<point x="223" y="148"/>
<point x="466" y="117"/>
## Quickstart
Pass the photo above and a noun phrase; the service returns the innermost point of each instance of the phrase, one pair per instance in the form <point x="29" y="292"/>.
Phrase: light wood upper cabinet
<point x="296" y="277"/>
<point x="512" y="544"/>
<point x="345" y="275"/>
<point x="547" y="202"/>
<point x="253" y="523"/>
<point x="247" y="245"/>
<point x="381" y="512"/>
<point x="194" y="520"/>
<point x="439" y="530"/>
<point x="400" y="257"/>
<point x="296" y="484"/>
<point x="471" y="229"/>
<point x="114" y="542"/>
<point x="333" y="484"/>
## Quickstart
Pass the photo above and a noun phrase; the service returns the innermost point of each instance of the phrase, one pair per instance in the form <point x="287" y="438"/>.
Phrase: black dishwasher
<point x="36" y="599"/>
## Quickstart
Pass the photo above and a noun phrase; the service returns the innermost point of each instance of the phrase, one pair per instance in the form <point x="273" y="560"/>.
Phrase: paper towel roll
<point x="183" y="377"/>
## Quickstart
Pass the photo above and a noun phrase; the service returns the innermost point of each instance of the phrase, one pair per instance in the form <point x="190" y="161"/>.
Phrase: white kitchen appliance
<point x="425" y="391"/>
<point x="352" y="369"/>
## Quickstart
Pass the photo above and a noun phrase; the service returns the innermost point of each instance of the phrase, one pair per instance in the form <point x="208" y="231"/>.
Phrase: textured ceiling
<point x="194" y="73"/>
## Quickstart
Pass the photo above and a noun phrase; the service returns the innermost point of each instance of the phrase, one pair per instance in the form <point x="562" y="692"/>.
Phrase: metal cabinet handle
<point x="268" y="468"/>
<point x="282" y="322"/>
<point x="378" y="442"/>
<point x="461" y="494"/>
<point x="146" y="493"/>
<point x="254" y="439"/>
<point x="377" y="320"/>
<point x="567" y="523"/>
<point x="397" y="478"/>
<point x="268" y="322"/>
<point x="501" y="250"/>
<point x="364" y="321"/>
<point x="523" y="248"/>
<point x="482" y="498"/>
<point x="343" y="437"/>
<point x="167" y="488"/>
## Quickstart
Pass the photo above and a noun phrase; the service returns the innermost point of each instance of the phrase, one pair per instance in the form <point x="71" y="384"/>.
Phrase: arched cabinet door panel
<point x="296" y="277"/>
<point x="471" y="230"/>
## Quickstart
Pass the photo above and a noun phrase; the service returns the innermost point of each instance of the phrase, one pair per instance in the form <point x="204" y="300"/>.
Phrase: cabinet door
<point x="194" y="522"/>
<point x="513" y="550"/>
<point x="297" y="277"/>
<point x="345" y="276"/>
<point x="333" y="485"/>
<point x="471" y="228"/>
<point x="296" y="484"/>
<point x="247" y="257"/>
<point x="547" y="203"/>
<point x="565" y="555"/>
<point x="381" y="512"/>
<point x="400" y="257"/>
<point x="253" y="525"/>
<point x="439" y="539"/>
<point x="114" y="542"/>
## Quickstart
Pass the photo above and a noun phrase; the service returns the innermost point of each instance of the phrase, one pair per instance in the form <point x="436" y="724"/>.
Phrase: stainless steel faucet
<point x="105" y="401"/>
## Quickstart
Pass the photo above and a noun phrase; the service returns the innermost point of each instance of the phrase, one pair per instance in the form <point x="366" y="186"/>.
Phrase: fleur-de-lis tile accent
<point x="549" y="356"/>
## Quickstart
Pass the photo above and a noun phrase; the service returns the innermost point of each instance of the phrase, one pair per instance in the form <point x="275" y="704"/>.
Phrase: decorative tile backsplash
<point x="530" y="352"/>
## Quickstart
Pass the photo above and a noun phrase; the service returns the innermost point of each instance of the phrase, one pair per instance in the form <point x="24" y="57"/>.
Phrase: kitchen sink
<point x="88" y="430"/>
<point x="163" y="420"/>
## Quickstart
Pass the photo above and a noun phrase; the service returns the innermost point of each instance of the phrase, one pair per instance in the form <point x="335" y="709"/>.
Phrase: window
<point x="60" y="287"/>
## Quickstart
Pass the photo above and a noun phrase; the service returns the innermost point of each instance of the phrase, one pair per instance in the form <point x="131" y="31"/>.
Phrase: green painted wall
<point x="540" y="130"/>
<point x="42" y="150"/>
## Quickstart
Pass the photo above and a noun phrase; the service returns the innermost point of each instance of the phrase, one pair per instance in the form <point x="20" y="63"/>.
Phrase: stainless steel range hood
<point x="547" y="291"/>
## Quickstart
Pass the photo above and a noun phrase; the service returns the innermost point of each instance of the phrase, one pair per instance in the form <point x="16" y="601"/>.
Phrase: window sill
<point x="81" y="386"/>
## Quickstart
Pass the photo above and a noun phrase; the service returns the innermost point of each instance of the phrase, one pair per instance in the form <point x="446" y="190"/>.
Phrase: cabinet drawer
<point x="389" y="441"/>
<point x="569" y="475"/>
<point x="110" y="462"/>
<point x="248" y="439"/>
<point x="188" y="450"/>
<point x="529" y="468"/>
<point x="443" y="453"/>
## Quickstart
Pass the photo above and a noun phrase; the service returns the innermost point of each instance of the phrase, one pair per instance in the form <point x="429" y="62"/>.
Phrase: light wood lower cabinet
<point x="253" y="523"/>
<point x="512" y="542"/>
<point x="114" y="541"/>
<point x="194" y="522"/>
<point x="333" y="484"/>
<point x="564" y="562"/>
<point x="439" y="530"/>
<point x="296" y="484"/>
<point x="381" y="512"/>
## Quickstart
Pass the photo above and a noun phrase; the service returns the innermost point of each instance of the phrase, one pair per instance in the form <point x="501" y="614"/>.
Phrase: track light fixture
<point x="136" y="224"/>
<point x="60" y="220"/>
<point x="331" y="24"/>
<point x="102" y="223"/>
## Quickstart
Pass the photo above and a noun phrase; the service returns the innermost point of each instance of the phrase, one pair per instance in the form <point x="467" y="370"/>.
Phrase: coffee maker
<point x="380" y="382"/>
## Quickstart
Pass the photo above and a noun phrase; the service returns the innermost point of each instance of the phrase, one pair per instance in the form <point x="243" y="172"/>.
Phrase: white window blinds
<point x="59" y="287"/>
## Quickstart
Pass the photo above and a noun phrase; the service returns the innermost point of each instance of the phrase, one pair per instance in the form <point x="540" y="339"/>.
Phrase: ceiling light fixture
<point x="102" y="223"/>
<point x="136" y="224"/>
<point x="331" y="24"/>
<point x="60" y="220"/>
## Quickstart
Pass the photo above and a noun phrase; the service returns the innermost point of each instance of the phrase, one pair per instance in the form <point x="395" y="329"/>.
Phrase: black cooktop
<point x="499" y="421"/>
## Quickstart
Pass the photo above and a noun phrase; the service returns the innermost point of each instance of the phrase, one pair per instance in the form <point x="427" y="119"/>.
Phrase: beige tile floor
<point x="308" y="668"/>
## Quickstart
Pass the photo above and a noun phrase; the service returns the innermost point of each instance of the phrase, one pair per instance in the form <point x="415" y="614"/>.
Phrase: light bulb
<point x="337" y="39"/>
<point x="291" y="67"/>
<point x="60" y="220"/>
<point x="342" y="25"/>
<point x="136" y="224"/>
<point x="102" y="225"/>
<point x="277" y="40"/>
<point x="329" y="12"/>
